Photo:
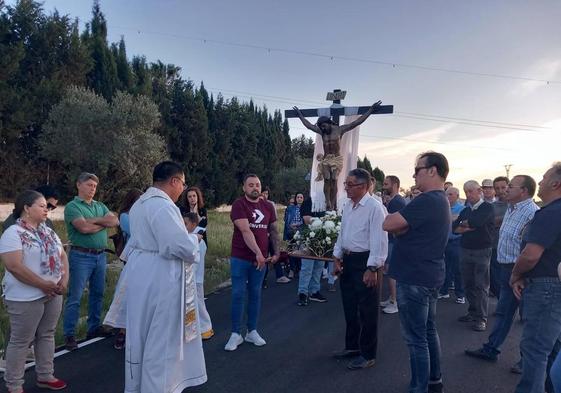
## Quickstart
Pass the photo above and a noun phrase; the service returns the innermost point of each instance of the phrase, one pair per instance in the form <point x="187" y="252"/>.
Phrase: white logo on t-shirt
<point x="258" y="216"/>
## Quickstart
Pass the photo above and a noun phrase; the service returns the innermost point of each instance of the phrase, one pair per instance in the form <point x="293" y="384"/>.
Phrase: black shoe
<point x="436" y="387"/>
<point x="346" y="353"/>
<point x="100" y="331"/>
<point x="302" y="299"/>
<point x="317" y="297"/>
<point x="359" y="363"/>
<point x="481" y="353"/>
<point x="70" y="343"/>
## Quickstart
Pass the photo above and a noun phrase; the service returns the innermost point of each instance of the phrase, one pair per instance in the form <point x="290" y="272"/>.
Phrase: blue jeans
<point x="506" y="308"/>
<point x="555" y="374"/>
<point x="310" y="276"/>
<point x="245" y="276"/>
<point x="417" y="313"/>
<point x="495" y="275"/>
<point x="84" y="268"/>
<point x="453" y="272"/>
<point x="542" y="313"/>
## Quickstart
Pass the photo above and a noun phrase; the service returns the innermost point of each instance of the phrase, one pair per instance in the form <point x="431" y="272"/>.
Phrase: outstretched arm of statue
<point x="360" y="120"/>
<point x="305" y="121"/>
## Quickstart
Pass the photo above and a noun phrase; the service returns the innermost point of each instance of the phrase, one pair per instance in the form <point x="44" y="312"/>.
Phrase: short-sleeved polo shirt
<point x="79" y="208"/>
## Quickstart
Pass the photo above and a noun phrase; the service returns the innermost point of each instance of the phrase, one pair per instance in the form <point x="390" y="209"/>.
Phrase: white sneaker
<point x="255" y="338"/>
<point x="324" y="273"/>
<point x="235" y="340"/>
<point x="444" y="296"/>
<point x="390" y="308"/>
<point x="283" y="280"/>
<point x="386" y="302"/>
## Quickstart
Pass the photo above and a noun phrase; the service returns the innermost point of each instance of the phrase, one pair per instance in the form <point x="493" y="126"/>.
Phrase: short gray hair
<point x="471" y="185"/>
<point x="557" y="169"/>
<point x="361" y="175"/>
<point x="85" y="176"/>
<point x="454" y="190"/>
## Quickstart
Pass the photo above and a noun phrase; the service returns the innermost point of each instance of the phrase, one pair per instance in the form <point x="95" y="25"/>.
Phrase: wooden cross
<point x="336" y="109"/>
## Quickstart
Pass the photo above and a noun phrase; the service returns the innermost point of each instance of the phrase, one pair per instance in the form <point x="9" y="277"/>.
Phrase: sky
<point x="442" y="64"/>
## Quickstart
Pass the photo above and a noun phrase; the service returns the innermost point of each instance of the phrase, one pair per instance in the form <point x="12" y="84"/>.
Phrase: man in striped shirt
<point x="520" y="211"/>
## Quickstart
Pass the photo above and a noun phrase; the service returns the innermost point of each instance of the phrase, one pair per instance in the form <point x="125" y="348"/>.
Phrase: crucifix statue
<point x="331" y="162"/>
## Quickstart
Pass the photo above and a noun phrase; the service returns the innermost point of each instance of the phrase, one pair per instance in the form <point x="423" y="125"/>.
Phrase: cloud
<point x="546" y="69"/>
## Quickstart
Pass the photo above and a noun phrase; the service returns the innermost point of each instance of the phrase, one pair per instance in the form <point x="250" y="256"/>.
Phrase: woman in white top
<point x="35" y="280"/>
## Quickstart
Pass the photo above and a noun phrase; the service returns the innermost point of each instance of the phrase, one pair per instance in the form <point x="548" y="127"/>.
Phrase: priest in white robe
<point x="164" y="352"/>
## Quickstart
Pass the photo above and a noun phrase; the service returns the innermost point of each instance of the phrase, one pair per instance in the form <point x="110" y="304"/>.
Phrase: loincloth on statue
<point x="329" y="166"/>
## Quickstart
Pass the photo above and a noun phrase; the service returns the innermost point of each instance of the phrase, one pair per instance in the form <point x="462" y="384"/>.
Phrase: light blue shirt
<point x="516" y="218"/>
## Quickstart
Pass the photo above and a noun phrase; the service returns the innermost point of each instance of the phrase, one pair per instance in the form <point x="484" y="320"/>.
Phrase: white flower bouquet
<point x="319" y="237"/>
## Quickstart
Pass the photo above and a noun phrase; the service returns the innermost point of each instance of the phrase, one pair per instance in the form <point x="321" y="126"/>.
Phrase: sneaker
<point x="324" y="274"/>
<point x="255" y="338"/>
<point x="386" y="302"/>
<point x="359" y="363"/>
<point x="390" y="308"/>
<point x="461" y="300"/>
<point x="517" y="368"/>
<point x="283" y="280"/>
<point x="234" y="341"/>
<point x="436" y="387"/>
<point x="291" y="274"/>
<point x="482" y="353"/>
<point x="466" y="318"/>
<point x="331" y="288"/>
<point x="119" y="340"/>
<point x="317" y="297"/>
<point x="302" y="299"/>
<point x="55" y="384"/>
<point x="70" y="343"/>
<point x="479" y="326"/>
<point x="207" y="335"/>
<point x="444" y="296"/>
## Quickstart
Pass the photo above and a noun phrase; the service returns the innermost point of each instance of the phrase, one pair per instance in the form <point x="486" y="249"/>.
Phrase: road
<point x="297" y="355"/>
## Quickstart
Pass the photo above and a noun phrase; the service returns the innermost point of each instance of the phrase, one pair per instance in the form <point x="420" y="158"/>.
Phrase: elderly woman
<point x="36" y="278"/>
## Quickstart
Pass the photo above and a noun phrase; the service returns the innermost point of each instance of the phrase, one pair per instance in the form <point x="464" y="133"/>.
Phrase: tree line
<point x="71" y="102"/>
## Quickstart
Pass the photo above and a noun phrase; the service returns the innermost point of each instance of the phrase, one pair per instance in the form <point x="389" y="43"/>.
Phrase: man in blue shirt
<point x="395" y="203"/>
<point x="452" y="253"/>
<point x="535" y="280"/>
<point x="421" y="230"/>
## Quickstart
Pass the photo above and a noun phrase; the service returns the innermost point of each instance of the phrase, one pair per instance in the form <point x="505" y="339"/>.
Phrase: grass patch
<point x="217" y="270"/>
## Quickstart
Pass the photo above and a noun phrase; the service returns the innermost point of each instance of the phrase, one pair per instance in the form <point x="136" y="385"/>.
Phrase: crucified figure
<point x="331" y="163"/>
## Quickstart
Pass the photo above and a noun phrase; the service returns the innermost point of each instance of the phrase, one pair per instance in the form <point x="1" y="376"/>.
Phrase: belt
<point x="348" y="252"/>
<point x="544" y="279"/>
<point x="94" y="251"/>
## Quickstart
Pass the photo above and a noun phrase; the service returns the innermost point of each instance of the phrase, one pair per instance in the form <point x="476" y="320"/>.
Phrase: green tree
<point x="116" y="141"/>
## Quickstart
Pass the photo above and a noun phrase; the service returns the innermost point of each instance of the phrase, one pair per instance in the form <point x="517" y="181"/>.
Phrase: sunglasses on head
<point x="50" y="206"/>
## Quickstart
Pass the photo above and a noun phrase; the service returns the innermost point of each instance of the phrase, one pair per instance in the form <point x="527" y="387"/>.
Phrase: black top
<point x="204" y="222"/>
<point x="418" y="254"/>
<point x="396" y="204"/>
<point x="306" y="209"/>
<point x="545" y="230"/>
<point x="482" y="220"/>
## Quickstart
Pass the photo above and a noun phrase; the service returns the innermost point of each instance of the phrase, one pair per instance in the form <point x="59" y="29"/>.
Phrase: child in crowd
<point x="191" y="223"/>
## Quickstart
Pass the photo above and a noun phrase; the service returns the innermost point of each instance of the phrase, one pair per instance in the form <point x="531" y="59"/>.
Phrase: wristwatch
<point x="373" y="269"/>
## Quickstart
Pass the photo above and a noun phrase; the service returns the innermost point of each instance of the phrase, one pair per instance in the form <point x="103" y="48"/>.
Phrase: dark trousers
<point x="360" y="304"/>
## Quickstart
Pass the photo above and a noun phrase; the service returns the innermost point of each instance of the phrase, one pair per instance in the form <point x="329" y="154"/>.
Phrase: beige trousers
<point x="31" y="322"/>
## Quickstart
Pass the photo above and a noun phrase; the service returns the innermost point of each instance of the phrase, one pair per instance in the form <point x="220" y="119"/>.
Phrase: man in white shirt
<point x="361" y="249"/>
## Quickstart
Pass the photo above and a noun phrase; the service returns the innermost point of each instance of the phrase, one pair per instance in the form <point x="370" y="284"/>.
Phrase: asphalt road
<point x="297" y="355"/>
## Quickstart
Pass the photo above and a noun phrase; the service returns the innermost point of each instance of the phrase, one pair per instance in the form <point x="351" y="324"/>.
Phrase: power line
<point x="345" y="58"/>
<point x="410" y="115"/>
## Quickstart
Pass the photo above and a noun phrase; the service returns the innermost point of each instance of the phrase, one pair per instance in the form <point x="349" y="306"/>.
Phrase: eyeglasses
<point x="182" y="182"/>
<point x="350" y="185"/>
<point x="50" y="206"/>
<point x="418" y="168"/>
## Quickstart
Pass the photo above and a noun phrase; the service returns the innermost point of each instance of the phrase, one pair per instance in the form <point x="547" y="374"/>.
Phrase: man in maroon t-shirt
<point x="254" y="221"/>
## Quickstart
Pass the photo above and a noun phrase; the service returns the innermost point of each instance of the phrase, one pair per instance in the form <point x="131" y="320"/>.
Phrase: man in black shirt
<point x="476" y="224"/>
<point x="535" y="279"/>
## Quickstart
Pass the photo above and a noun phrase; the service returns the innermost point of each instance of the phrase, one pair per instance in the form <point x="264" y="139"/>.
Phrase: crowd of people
<point x="430" y="245"/>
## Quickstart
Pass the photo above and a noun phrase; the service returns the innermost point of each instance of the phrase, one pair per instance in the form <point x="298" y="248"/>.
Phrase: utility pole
<point x="507" y="169"/>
